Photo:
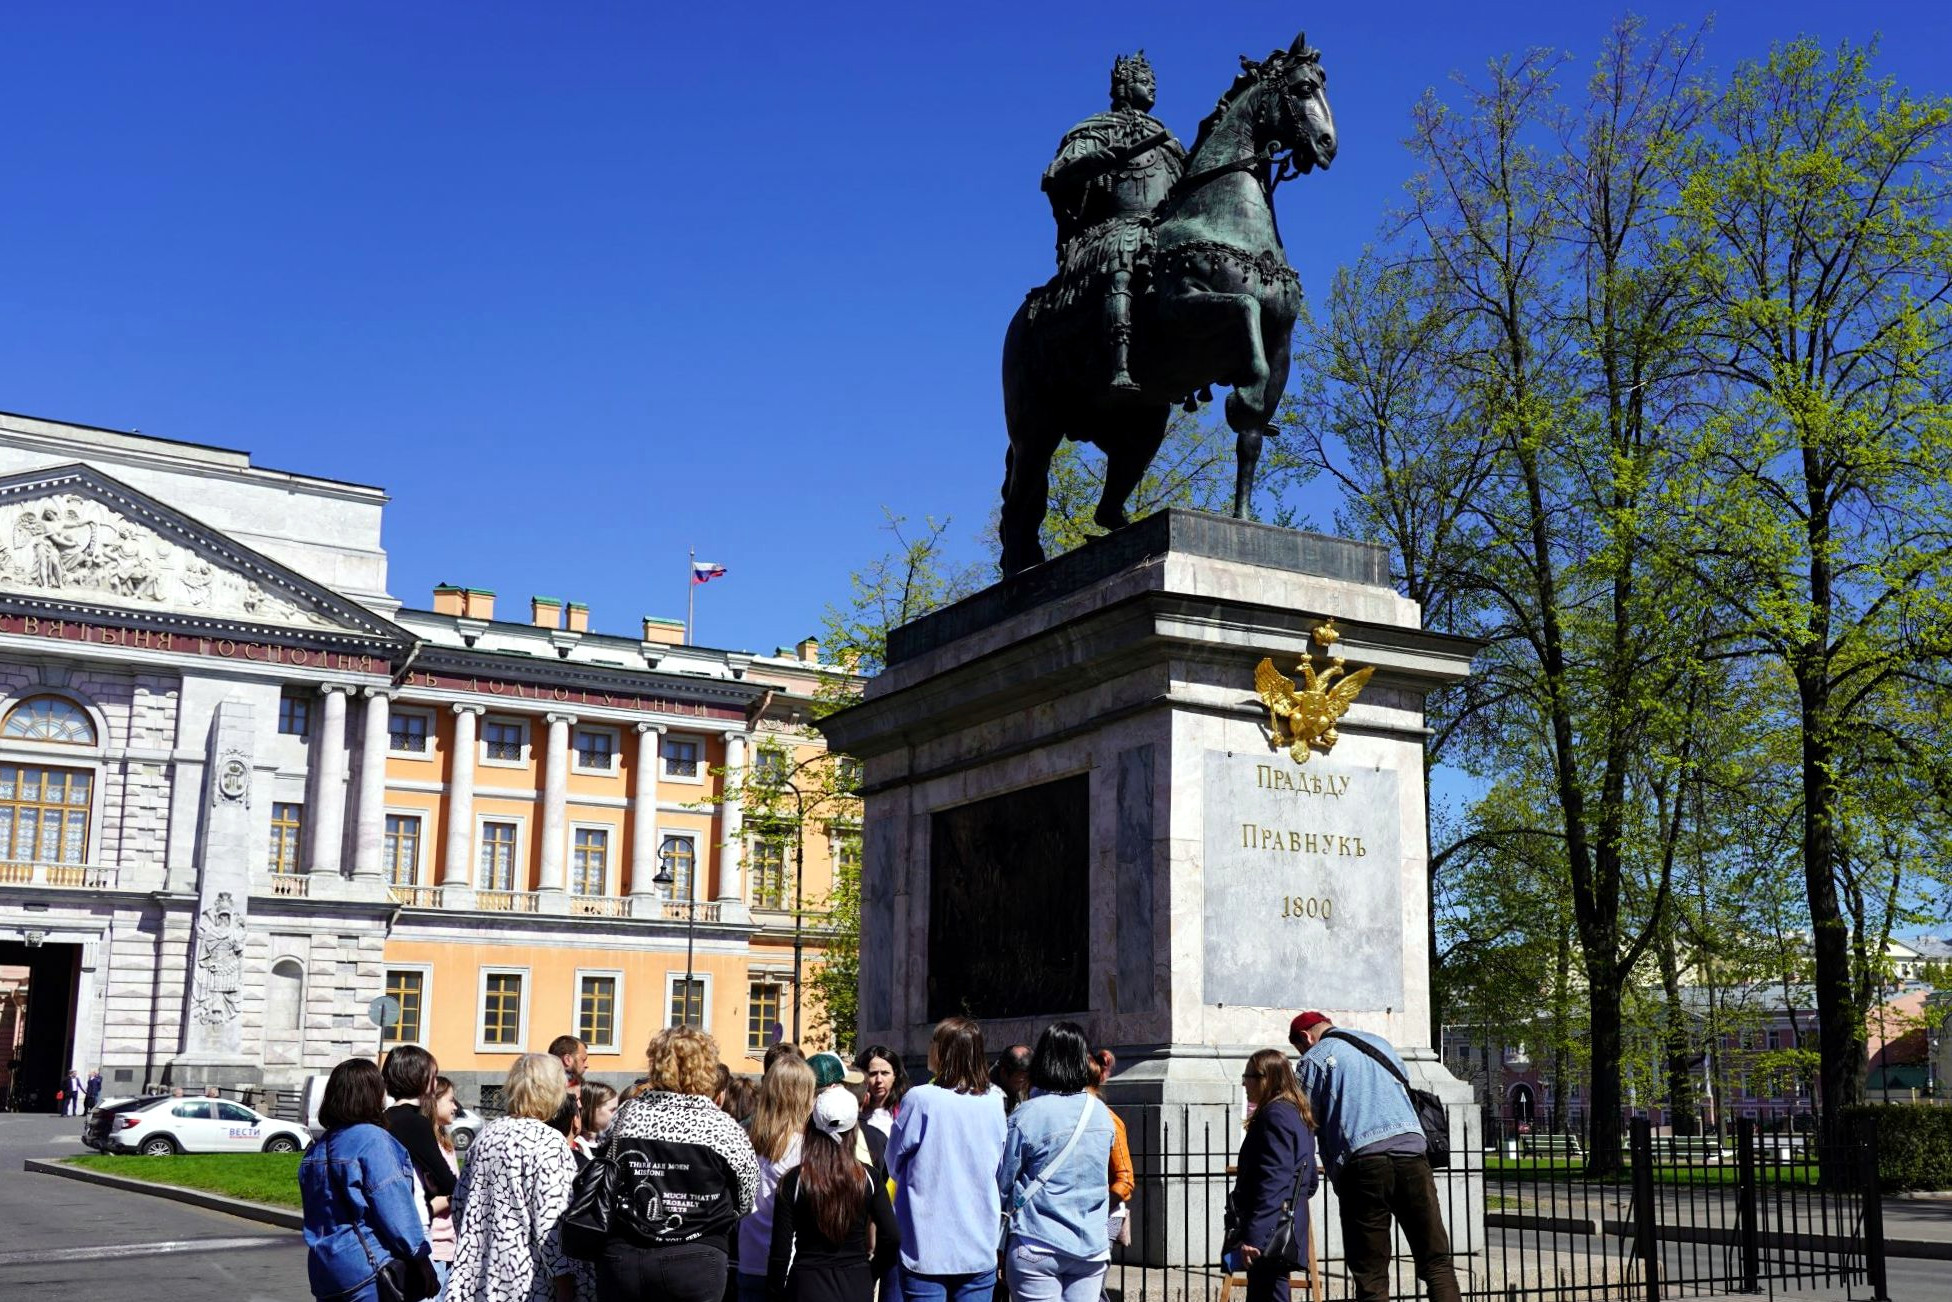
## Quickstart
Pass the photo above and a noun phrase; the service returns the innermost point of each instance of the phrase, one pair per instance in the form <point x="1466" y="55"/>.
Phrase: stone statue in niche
<point x="220" y="962"/>
<point x="77" y="545"/>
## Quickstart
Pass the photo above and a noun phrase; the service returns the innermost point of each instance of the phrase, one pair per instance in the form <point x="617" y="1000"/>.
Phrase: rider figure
<point x="1110" y="172"/>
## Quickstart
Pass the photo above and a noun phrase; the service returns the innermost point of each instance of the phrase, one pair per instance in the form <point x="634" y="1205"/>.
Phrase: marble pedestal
<point x="1073" y="810"/>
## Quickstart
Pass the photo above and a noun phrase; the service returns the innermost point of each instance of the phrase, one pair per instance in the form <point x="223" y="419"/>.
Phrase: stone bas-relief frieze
<point x="220" y="962"/>
<point x="76" y="546"/>
<point x="1303" y="876"/>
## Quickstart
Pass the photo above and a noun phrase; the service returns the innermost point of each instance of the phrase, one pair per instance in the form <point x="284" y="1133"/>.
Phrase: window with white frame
<point x="688" y="1001"/>
<point x="684" y="758"/>
<point x="762" y="1016"/>
<point x="596" y="750"/>
<point x="769" y="766"/>
<point x="769" y="871"/>
<point x="597" y="998"/>
<point x="678" y="857"/>
<point x="589" y="868"/>
<point x="287" y="826"/>
<point x="407" y="987"/>
<point x="848" y="773"/>
<point x="402" y="849"/>
<point x="407" y="731"/>
<point x="497" y="856"/>
<point x="504" y="741"/>
<point x="503" y="1008"/>
<point x="295" y="714"/>
<point x="44" y="813"/>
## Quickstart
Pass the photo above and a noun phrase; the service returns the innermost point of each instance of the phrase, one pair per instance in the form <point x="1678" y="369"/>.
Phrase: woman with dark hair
<point x="942" y="1155"/>
<point x="1277" y="1176"/>
<point x="885" y="1086"/>
<point x="360" y="1194"/>
<point x="819" y="1248"/>
<point x="1056" y="1196"/>
<point x="409" y="1074"/>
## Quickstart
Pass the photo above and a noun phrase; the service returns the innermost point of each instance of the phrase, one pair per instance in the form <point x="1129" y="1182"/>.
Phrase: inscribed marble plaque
<point x="1302" y="876"/>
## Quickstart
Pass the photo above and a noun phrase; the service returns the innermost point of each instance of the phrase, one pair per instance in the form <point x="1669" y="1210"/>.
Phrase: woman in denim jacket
<point x="1057" y="1210"/>
<point x="361" y="1196"/>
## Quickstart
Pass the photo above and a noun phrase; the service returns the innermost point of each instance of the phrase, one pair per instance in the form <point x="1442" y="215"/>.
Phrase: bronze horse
<point x="1219" y="308"/>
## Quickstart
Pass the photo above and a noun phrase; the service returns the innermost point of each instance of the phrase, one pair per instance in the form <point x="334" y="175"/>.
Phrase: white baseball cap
<point x="836" y="1112"/>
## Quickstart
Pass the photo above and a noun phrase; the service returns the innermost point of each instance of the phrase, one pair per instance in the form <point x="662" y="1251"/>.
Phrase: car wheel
<point x="160" y="1146"/>
<point x="462" y="1138"/>
<point x="281" y="1144"/>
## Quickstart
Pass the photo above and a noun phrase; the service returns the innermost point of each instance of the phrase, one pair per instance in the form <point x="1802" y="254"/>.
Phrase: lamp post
<point x="664" y="878"/>
<point x="799" y="886"/>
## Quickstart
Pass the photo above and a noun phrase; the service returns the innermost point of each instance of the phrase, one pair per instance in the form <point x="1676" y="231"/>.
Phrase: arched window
<point x="284" y="1000"/>
<point x="49" y="718"/>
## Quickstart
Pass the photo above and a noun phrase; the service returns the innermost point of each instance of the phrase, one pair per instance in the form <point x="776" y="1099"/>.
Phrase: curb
<point x="282" y="1217"/>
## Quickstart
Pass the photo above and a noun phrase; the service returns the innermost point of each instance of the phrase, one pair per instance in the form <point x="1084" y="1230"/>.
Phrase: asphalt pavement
<point x="62" y="1239"/>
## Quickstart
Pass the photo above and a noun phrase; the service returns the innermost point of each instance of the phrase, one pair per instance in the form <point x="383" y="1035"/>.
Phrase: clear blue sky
<point x="586" y="285"/>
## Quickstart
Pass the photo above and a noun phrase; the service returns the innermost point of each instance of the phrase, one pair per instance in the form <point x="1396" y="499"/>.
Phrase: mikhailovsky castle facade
<point x="245" y="793"/>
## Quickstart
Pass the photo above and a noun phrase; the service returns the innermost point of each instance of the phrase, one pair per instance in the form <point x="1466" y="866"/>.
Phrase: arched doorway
<point x="1524" y="1104"/>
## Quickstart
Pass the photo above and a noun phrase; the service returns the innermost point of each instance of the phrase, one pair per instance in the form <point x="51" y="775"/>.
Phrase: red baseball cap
<point x="1307" y="1021"/>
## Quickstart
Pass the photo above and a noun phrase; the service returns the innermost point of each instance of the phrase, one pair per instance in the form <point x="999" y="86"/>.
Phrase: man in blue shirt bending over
<point x="1373" y="1146"/>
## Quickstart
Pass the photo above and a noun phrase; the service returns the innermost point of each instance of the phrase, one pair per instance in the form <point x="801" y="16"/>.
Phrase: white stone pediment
<point x="73" y="534"/>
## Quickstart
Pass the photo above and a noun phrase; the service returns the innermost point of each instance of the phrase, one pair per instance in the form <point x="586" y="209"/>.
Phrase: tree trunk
<point x="1680" y="1079"/>
<point x="1603" y="1126"/>
<point x="1839" y="1023"/>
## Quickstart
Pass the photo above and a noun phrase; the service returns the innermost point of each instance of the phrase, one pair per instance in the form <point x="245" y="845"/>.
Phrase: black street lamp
<point x="799" y="886"/>
<point x="664" y="878"/>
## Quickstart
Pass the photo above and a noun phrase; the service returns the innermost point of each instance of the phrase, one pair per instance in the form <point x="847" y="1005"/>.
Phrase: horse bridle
<point x="1280" y="163"/>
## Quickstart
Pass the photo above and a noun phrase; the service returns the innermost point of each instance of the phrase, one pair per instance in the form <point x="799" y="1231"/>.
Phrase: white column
<point x="327" y="819"/>
<point x="457" y="862"/>
<point x="369" y="830"/>
<point x="732" y="852"/>
<point x="644" y="837"/>
<point x="553" y="880"/>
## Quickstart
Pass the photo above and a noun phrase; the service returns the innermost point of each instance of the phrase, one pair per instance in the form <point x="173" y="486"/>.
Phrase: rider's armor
<point x="1111" y="171"/>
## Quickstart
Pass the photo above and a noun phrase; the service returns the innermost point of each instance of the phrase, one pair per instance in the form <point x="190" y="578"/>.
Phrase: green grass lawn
<point x="257" y="1177"/>
<point x="1562" y="1168"/>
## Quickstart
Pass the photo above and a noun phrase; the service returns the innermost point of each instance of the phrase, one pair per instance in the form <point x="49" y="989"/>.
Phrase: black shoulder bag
<point x="592" y="1213"/>
<point x="1431" y="1114"/>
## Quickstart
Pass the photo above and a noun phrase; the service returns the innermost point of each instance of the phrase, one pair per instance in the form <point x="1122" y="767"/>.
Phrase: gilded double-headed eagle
<point x="1310" y="713"/>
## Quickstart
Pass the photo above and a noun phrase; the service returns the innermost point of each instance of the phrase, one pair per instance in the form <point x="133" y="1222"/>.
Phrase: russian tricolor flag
<point x="705" y="571"/>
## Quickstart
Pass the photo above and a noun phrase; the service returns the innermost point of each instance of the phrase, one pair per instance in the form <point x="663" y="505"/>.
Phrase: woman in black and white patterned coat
<point x="512" y="1197"/>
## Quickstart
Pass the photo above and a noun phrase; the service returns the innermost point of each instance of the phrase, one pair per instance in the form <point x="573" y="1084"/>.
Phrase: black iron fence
<point x="1575" y="1124"/>
<point x="1675" y="1219"/>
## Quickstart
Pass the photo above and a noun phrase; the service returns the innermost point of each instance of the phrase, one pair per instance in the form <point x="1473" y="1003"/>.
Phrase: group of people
<point x="827" y="1180"/>
<point x="77" y="1097"/>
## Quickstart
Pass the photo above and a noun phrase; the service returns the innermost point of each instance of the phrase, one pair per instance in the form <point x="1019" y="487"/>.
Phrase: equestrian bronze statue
<point x="1171" y="279"/>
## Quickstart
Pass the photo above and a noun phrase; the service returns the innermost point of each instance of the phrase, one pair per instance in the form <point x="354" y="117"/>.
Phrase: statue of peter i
<point x="1111" y="171"/>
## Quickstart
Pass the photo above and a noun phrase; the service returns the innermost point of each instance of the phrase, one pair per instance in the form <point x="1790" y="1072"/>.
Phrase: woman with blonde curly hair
<point x="511" y="1198"/>
<point x="691" y="1163"/>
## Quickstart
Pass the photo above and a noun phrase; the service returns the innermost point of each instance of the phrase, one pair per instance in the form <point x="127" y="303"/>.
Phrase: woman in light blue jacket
<point x="360" y="1194"/>
<point x="1053" y="1177"/>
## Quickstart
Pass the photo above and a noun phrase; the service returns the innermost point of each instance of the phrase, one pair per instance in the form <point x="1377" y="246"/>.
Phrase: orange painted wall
<point x="454" y="992"/>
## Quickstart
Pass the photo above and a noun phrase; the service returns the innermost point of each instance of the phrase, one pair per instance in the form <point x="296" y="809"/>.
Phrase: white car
<point x="198" y="1126"/>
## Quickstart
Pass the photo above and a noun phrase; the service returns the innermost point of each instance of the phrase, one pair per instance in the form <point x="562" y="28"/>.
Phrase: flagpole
<point x="691" y="593"/>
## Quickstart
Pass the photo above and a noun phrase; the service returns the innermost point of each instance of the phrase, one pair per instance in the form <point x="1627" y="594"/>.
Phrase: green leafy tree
<point x="1817" y="224"/>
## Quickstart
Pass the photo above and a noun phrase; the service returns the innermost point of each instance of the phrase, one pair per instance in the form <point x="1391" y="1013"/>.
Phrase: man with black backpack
<point x="1374" y="1144"/>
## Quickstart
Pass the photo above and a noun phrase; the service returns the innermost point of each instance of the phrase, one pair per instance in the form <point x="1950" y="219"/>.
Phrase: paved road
<point x="64" y="1239"/>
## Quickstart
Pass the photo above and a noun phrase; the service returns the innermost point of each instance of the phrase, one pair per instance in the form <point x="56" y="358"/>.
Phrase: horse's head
<point x="1293" y="112"/>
